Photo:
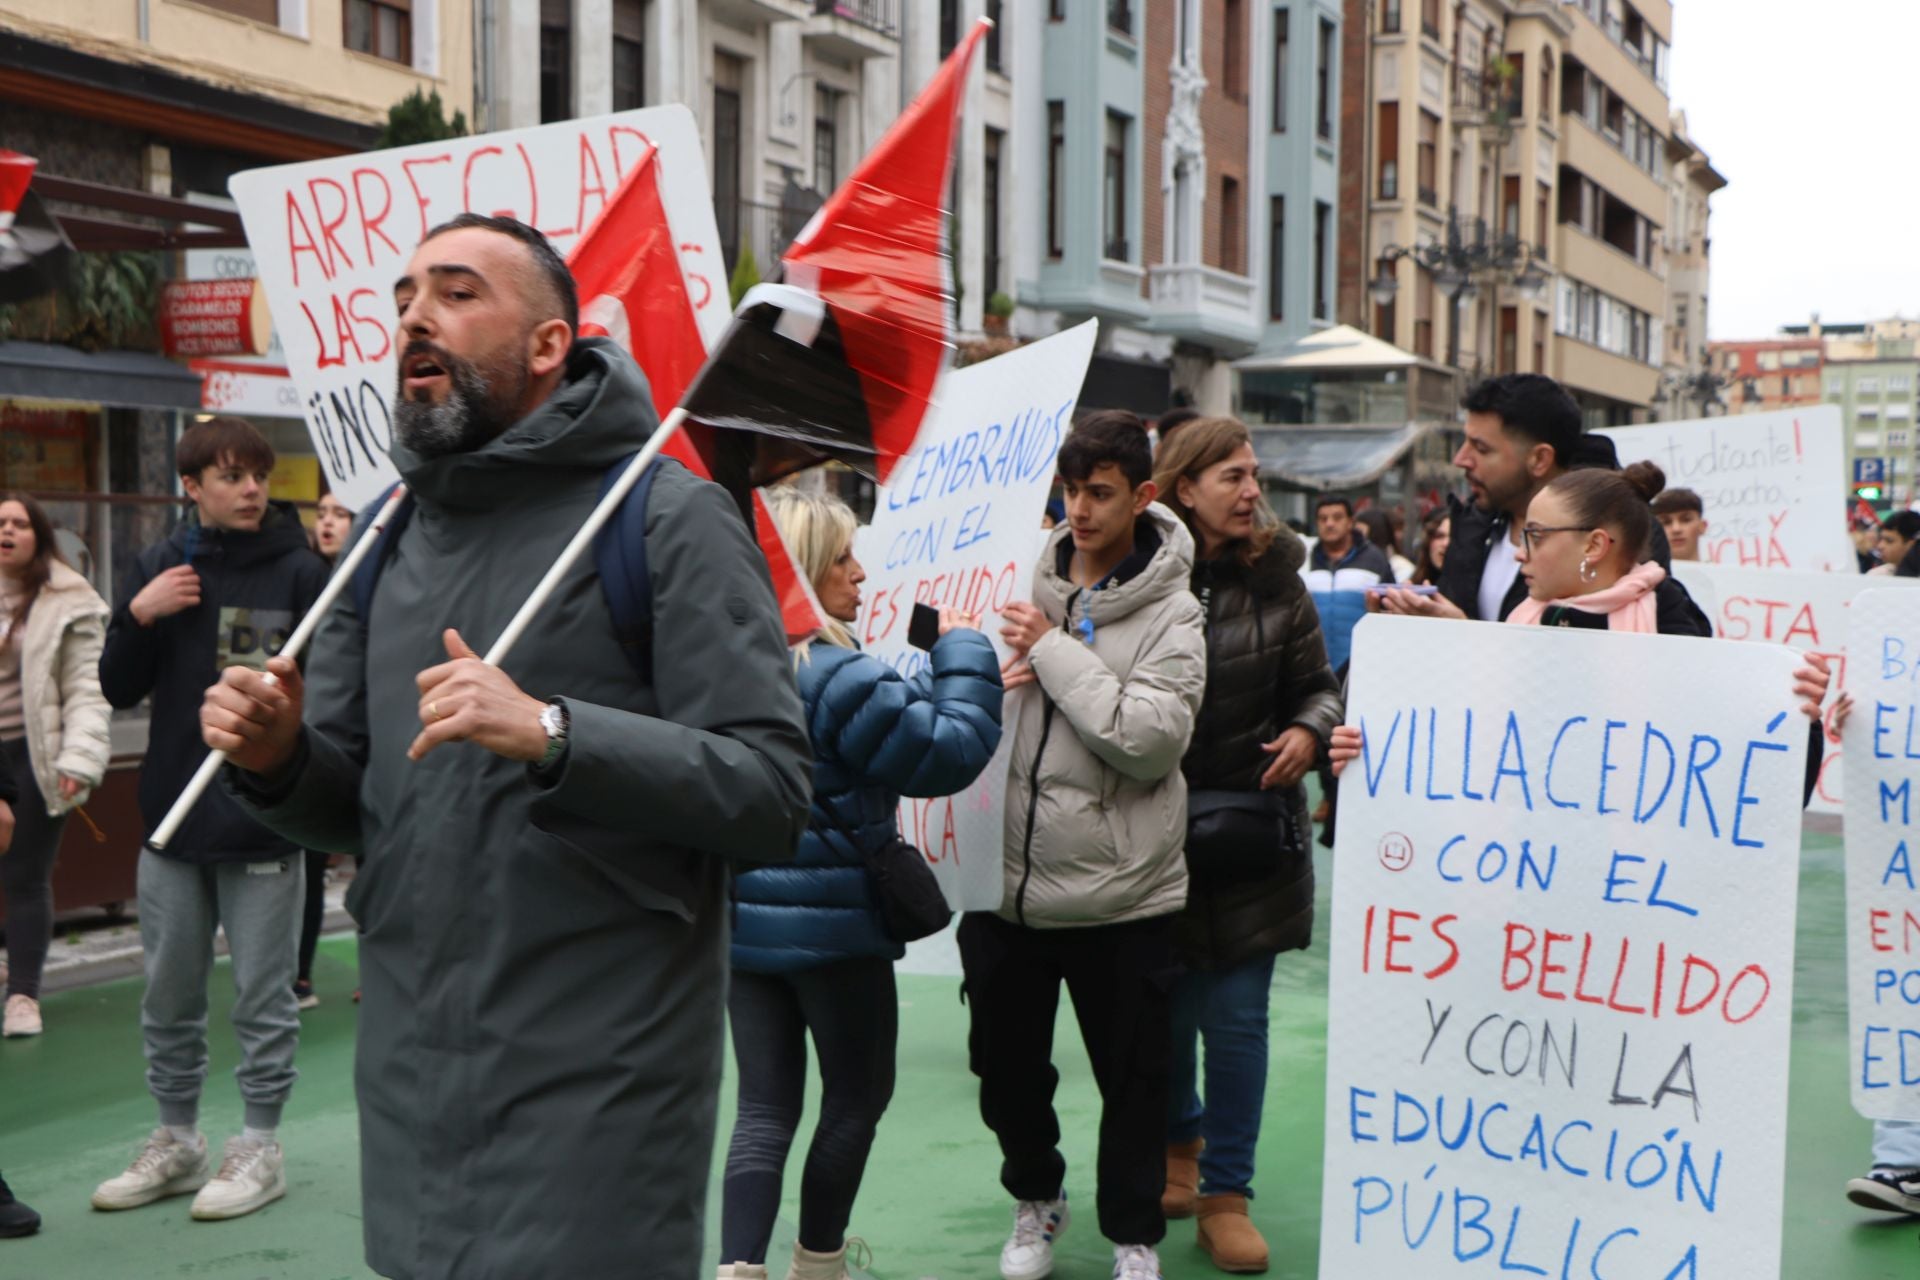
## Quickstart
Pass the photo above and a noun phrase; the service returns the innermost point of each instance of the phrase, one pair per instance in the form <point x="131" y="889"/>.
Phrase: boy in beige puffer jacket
<point x="1106" y="681"/>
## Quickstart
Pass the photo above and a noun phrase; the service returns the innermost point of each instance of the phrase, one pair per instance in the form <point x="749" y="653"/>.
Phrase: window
<point x="556" y="61"/>
<point x="1056" y="178"/>
<point x="267" y="11"/>
<point x="1390" y="16"/>
<point x="1280" y="77"/>
<point x="629" y="56"/>
<point x="1510" y="205"/>
<point x="1866" y="386"/>
<point x="1322" y="252"/>
<point x="1056" y="10"/>
<point x="1516" y="103"/>
<point x="1323" y="81"/>
<point x="383" y="28"/>
<point x="729" y="76"/>
<point x="1120" y="16"/>
<point x="1900" y="382"/>
<point x="1430" y="18"/>
<point x="1389" y="143"/>
<point x="1423" y="313"/>
<point x="1428" y="163"/>
<point x="1277" y="258"/>
<point x="990" y="200"/>
<point x="1546" y="80"/>
<point x="1233" y="51"/>
<point x="1508" y="356"/>
<point x="996" y="58"/>
<point x="1539" y="342"/>
<point x="1231" y="258"/>
<point x="1114" y="189"/>
<point x="949" y="26"/>
<point x="1542" y="204"/>
<point x="826" y="140"/>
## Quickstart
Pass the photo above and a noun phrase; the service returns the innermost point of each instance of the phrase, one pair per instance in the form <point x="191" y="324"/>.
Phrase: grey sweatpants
<point x="258" y="904"/>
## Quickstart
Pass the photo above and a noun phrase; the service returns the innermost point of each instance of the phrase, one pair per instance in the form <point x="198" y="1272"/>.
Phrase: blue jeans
<point x="1896" y="1144"/>
<point x="1229" y="1010"/>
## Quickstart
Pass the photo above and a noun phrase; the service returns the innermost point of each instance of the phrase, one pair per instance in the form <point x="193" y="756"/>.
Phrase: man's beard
<point x="480" y="404"/>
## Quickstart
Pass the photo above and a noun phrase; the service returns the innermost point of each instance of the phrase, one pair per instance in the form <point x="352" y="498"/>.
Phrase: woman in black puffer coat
<point x="1271" y="703"/>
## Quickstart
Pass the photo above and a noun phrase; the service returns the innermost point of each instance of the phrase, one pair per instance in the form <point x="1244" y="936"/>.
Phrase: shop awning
<point x="135" y="379"/>
<point x="1319" y="458"/>
<point x="1342" y="347"/>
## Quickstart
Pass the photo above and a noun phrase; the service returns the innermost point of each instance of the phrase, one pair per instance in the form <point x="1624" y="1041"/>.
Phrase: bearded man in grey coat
<point x="542" y="905"/>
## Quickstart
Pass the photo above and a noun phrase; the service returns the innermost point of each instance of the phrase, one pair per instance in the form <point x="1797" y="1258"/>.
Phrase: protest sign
<point x="331" y="236"/>
<point x="1807" y="612"/>
<point x="1883" y="846"/>
<point x="1561" y="967"/>
<point x="1772" y="484"/>
<point x="959" y="526"/>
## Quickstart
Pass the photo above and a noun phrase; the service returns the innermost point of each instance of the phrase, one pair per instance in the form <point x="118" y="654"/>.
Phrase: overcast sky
<point x="1807" y="110"/>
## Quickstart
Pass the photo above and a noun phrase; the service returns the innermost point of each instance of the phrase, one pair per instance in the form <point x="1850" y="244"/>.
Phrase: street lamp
<point x="1703" y="387"/>
<point x="1468" y="255"/>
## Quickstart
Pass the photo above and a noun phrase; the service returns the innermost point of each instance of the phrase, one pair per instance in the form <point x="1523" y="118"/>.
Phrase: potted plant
<point x="998" y="310"/>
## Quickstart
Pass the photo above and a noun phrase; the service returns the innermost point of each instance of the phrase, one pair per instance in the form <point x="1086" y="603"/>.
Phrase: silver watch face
<point x="550" y="721"/>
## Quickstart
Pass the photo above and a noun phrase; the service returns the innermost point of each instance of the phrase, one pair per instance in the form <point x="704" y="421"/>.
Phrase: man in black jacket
<point x="1522" y="430"/>
<point x="225" y="589"/>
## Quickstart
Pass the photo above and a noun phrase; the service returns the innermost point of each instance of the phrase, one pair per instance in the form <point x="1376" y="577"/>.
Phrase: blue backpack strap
<point x="367" y="572"/>
<point x="620" y="555"/>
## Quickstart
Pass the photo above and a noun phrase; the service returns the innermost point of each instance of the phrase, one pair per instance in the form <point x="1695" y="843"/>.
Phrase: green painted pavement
<point x="72" y="1107"/>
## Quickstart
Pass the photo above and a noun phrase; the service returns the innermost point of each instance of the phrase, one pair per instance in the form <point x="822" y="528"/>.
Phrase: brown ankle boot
<point x="1229" y="1236"/>
<point x="1183" y="1178"/>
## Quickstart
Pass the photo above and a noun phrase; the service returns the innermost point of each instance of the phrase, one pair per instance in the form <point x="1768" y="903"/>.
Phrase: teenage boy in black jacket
<point x="225" y="588"/>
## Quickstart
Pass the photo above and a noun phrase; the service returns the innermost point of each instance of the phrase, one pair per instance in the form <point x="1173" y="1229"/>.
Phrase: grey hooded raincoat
<point x="544" y="958"/>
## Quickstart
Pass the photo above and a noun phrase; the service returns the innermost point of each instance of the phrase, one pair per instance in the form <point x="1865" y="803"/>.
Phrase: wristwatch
<point x="556" y="723"/>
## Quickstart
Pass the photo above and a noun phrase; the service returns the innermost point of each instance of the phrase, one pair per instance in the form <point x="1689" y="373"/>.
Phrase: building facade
<point x="1878" y="400"/>
<point x="1540" y="126"/>
<point x="1691" y="182"/>
<point x="1769" y="373"/>
<point x="788" y="93"/>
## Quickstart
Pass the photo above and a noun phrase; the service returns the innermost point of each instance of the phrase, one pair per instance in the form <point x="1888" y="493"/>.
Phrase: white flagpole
<point x="170" y="825"/>
<point x="609" y="504"/>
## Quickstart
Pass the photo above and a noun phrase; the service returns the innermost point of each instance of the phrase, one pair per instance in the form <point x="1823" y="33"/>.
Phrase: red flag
<point x="16" y="172"/>
<point x="840" y="358"/>
<point x="632" y="290"/>
<point x="877" y="254"/>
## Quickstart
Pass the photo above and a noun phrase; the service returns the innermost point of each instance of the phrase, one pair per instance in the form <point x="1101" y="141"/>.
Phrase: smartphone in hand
<point x="923" y="628"/>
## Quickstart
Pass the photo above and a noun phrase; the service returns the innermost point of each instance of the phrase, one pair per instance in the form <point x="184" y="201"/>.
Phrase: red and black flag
<point x="632" y="289"/>
<point x="838" y="359"/>
<point x="33" y="248"/>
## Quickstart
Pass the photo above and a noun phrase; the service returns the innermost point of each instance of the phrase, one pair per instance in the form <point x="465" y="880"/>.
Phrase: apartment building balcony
<point x="758" y="13"/>
<point x="853" y="30"/>
<point x="1206" y="305"/>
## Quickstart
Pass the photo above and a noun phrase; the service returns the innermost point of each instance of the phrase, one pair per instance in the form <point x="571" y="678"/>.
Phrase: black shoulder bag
<point x="904" y="888"/>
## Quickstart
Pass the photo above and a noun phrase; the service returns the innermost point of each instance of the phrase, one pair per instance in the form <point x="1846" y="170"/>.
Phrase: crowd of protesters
<point x="563" y="866"/>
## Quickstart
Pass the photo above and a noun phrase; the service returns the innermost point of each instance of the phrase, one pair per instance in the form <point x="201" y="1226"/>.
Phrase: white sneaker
<point x="23" y="1016"/>
<point x="1028" y="1254"/>
<point x="165" y="1167"/>
<point x="1135" y="1262"/>
<point x="252" y="1175"/>
<point x="743" y="1271"/>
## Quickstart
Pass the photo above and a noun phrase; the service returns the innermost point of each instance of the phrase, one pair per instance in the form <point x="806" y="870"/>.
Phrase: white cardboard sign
<point x="1561" y="973"/>
<point x="1883" y="848"/>
<point x="1773" y="484"/>
<point x="960" y="526"/>
<point x="1807" y="612"/>
<point x="331" y="236"/>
